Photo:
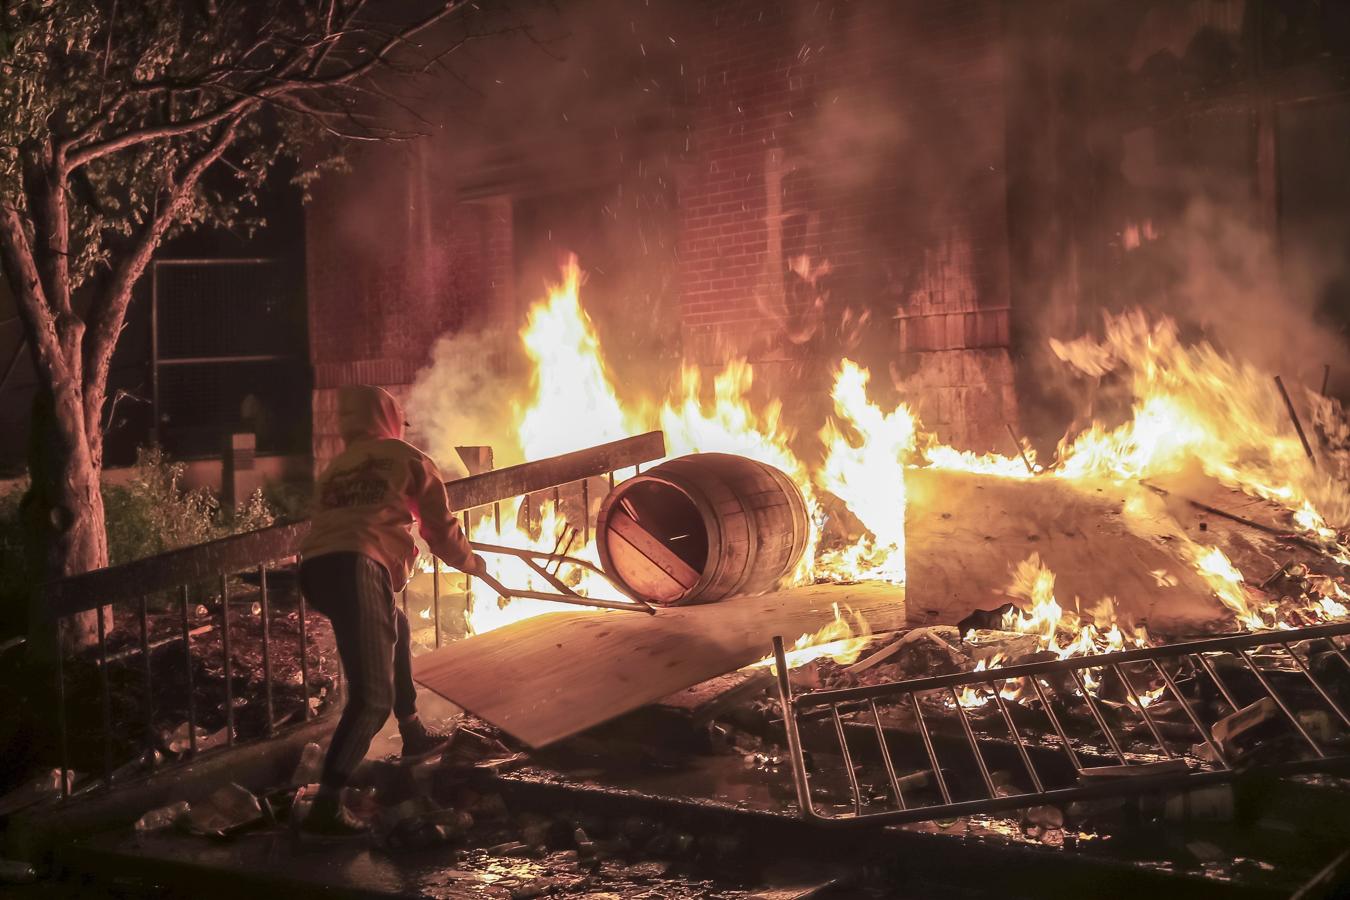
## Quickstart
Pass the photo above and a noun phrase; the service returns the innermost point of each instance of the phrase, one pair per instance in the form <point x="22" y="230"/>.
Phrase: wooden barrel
<point x="701" y="528"/>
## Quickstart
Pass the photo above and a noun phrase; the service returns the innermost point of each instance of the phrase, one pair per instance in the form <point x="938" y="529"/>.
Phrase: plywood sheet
<point x="552" y="676"/>
<point x="965" y="532"/>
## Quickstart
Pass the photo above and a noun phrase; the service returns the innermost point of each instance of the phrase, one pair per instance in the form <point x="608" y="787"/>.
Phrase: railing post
<point x="585" y="511"/>
<point x="187" y="657"/>
<point x="144" y="615"/>
<point x="300" y="611"/>
<point x="105" y="698"/>
<point x="436" y="598"/>
<point x="265" y="609"/>
<point x="226" y="662"/>
<point x="62" y="731"/>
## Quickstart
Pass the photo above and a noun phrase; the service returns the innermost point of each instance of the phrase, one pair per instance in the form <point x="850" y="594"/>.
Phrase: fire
<point x="488" y="612"/>
<point x="730" y="425"/>
<point x="1060" y="631"/>
<point x="940" y="456"/>
<point x="868" y="476"/>
<point x="837" y="639"/>
<point x="571" y="385"/>
<point x="1188" y="405"/>
<point x="1192" y="403"/>
<point x="971" y="697"/>
<point x="1218" y="570"/>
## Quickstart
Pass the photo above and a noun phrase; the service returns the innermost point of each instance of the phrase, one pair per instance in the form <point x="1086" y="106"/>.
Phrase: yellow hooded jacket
<point x="370" y="495"/>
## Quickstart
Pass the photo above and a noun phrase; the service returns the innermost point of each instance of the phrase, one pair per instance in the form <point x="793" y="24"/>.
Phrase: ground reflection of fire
<point x="1191" y="405"/>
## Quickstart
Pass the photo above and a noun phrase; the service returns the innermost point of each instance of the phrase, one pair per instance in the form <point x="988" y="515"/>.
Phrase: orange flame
<point x="1191" y="404"/>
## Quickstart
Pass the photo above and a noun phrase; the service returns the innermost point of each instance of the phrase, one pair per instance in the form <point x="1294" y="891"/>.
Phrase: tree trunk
<point x="63" y="509"/>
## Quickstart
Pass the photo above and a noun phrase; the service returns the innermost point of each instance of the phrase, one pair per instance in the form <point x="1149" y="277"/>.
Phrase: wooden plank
<point x="705" y="701"/>
<point x="964" y="534"/>
<point x="552" y="676"/>
<point x="541" y="474"/>
<point x="642" y="577"/>
<point x="659" y="554"/>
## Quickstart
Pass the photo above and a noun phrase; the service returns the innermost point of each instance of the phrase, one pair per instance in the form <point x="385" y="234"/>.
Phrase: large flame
<point x="1189" y="405"/>
<point x="730" y="425"/>
<point x="573" y="404"/>
<point x="868" y="475"/>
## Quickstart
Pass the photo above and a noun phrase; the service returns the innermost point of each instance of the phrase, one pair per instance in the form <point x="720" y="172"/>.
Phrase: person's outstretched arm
<point x="437" y="525"/>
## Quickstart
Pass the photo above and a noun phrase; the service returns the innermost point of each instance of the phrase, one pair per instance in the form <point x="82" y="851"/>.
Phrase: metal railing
<point x="215" y="570"/>
<point x="1019" y="718"/>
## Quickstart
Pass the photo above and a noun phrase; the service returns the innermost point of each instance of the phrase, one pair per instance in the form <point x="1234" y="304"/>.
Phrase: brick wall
<point x="869" y="135"/>
<point x="394" y="262"/>
<point x="865" y="134"/>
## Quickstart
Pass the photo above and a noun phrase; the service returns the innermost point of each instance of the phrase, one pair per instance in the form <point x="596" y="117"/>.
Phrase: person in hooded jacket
<point x="359" y="552"/>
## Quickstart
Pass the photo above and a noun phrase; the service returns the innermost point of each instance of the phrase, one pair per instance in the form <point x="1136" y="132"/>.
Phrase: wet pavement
<point x="278" y="865"/>
<point x="678" y="825"/>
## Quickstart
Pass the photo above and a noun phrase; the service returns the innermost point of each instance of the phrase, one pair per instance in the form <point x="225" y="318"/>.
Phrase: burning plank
<point x="552" y="676"/>
<point x="965" y="532"/>
<point x="541" y="474"/>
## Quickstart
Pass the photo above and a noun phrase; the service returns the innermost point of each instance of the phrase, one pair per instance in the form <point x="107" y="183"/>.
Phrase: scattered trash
<point x="16" y="871"/>
<point x="1241" y="732"/>
<point x="310" y="767"/>
<point x="1318" y="723"/>
<point x="37" y="789"/>
<point x="510" y="848"/>
<point x="1044" y="816"/>
<point x="1089" y="774"/>
<point x="229" y="810"/>
<point x="163" y="817"/>
<point x="540" y="887"/>
<point x="988" y="619"/>
<point x="179" y="740"/>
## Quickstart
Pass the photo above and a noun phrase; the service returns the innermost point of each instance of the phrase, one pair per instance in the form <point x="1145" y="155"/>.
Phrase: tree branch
<point x="108" y="310"/>
<point x="283" y="80"/>
<point x="16" y="255"/>
<point x="45" y="190"/>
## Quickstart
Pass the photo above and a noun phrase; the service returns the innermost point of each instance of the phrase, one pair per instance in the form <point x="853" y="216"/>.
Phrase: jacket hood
<point x="366" y="411"/>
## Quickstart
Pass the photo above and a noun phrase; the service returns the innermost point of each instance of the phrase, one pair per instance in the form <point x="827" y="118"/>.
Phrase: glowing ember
<point x="837" y="640"/>
<point x="1062" y="632"/>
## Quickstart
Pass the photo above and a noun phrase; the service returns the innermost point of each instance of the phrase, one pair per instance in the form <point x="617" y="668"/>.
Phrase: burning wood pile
<point x="1172" y="522"/>
<point x="1206" y="512"/>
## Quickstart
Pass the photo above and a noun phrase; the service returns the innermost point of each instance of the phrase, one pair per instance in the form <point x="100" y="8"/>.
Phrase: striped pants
<point x="354" y="592"/>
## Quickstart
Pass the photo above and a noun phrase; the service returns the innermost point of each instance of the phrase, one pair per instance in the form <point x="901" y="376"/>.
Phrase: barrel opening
<point x="702" y="528"/>
<point x="667" y="514"/>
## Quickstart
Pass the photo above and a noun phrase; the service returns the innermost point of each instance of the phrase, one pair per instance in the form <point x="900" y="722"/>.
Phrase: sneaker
<point x="420" y="742"/>
<point x="332" y="820"/>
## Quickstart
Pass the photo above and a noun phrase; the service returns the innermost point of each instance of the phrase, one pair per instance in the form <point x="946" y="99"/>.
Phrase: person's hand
<point x="477" y="566"/>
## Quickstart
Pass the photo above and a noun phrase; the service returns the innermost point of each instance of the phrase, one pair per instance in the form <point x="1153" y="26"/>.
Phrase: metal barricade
<point x="850" y="772"/>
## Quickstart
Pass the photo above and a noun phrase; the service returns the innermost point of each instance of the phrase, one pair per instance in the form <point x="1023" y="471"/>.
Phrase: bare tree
<point x="112" y="117"/>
